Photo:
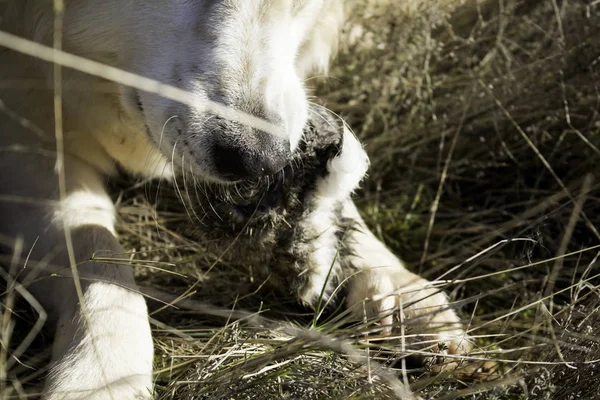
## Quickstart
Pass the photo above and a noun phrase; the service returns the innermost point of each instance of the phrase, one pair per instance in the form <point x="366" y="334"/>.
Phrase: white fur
<point x="254" y="55"/>
<point x="379" y="284"/>
<point x="345" y="171"/>
<point x="82" y="208"/>
<point x="112" y="359"/>
<point x="383" y="287"/>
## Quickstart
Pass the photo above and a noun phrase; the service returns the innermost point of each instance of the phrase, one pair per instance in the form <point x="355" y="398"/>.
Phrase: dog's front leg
<point x="103" y="346"/>
<point x="380" y="286"/>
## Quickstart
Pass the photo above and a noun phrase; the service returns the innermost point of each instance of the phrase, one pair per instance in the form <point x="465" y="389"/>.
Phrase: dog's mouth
<point x="138" y="102"/>
<point x="271" y="199"/>
<point x="136" y="107"/>
<point x="132" y="100"/>
<point x="286" y="191"/>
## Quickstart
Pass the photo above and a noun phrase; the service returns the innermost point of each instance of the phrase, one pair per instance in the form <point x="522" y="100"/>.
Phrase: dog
<point x="251" y="56"/>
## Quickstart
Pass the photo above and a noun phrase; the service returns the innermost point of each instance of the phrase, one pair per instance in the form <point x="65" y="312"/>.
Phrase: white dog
<point x="250" y="55"/>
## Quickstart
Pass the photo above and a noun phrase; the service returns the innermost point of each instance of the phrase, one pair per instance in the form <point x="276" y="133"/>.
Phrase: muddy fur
<point x="257" y="222"/>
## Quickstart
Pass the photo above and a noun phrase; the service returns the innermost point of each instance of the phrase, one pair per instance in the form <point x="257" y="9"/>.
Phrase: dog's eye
<point x="138" y="102"/>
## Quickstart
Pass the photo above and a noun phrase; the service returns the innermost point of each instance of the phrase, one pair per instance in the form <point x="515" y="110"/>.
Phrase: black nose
<point x="252" y="155"/>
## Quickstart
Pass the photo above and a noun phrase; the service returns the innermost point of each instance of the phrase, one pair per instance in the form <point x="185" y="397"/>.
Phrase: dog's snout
<point x="256" y="154"/>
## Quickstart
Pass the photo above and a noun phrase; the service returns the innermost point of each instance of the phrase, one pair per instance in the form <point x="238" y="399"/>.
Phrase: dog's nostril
<point x="236" y="160"/>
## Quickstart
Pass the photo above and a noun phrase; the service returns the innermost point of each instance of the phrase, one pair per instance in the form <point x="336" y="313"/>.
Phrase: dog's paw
<point x="403" y="302"/>
<point x="478" y="370"/>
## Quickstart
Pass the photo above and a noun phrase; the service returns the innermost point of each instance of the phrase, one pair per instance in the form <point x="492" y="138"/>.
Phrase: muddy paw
<point x="404" y="303"/>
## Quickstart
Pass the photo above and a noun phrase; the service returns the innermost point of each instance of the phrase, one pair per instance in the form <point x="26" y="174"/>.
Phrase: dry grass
<point x="482" y="124"/>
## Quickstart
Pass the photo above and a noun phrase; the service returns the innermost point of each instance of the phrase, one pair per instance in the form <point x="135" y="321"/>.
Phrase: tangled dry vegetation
<point x="482" y="125"/>
<point x="481" y="120"/>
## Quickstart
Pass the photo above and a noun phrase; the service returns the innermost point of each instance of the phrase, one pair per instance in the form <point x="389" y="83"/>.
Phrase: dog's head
<point x="249" y="55"/>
